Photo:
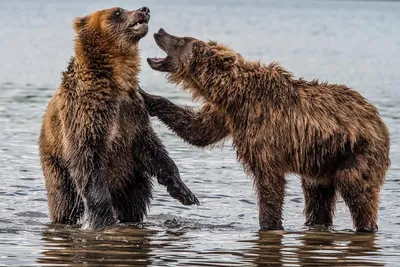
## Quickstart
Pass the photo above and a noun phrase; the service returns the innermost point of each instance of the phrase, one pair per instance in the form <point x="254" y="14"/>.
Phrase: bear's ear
<point x="212" y="43"/>
<point x="227" y="58"/>
<point x="79" y="24"/>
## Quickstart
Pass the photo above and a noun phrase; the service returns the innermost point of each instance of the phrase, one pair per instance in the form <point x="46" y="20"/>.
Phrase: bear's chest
<point x="126" y="123"/>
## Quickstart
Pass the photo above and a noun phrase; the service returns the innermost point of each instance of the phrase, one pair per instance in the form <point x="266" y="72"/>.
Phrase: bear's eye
<point x="117" y="13"/>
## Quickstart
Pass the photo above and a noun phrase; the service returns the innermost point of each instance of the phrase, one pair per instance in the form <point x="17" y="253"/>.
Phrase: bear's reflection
<point x="137" y="246"/>
<point x="314" y="248"/>
<point x="267" y="248"/>
<point x="117" y="246"/>
<point x="338" y="249"/>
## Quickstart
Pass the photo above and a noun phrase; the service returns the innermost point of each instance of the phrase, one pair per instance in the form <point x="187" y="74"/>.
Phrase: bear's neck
<point x="225" y="88"/>
<point x="120" y="66"/>
<point x="244" y="89"/>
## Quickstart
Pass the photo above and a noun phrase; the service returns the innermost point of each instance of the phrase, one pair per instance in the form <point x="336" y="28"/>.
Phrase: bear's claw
<point x="182" y="193"/>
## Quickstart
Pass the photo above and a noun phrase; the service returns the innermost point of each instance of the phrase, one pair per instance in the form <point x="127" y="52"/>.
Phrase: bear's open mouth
<point x="157" y="61"/>
<point x="138" y="24"/>
<point x="161" y="63"/>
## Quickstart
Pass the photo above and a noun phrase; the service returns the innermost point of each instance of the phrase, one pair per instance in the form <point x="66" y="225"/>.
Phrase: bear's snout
<point x="145" y="10"/>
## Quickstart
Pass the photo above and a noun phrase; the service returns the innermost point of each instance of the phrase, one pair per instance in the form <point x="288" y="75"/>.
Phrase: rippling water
<point x="356" y="43"/>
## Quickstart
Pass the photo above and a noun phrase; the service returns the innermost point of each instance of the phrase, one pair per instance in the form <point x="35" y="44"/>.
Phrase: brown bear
<point x="98" y="150"/>
<point x="326" y="133"/>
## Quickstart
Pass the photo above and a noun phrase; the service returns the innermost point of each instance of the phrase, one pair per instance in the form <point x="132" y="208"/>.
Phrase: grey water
<point x="352" y="42"/>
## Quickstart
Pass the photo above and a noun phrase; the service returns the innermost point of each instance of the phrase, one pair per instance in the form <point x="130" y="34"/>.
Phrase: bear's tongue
<point x="157" y="60"/>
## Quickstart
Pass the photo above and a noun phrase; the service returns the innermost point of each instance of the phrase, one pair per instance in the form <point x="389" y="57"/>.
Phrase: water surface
<point x="356" y="43"/>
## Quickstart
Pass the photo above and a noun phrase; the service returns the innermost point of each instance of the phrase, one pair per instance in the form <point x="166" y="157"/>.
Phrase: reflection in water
<point x="311" y="248"/>
<point x="141" y="246"/>
<point x="222" y="231"/>
<point x="116" y="246"/>
<point x="268" y="248"/>
<point x="337" y="249"/>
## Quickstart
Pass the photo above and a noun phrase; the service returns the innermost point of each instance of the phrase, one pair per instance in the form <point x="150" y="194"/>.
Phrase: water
<point x="355" y="43"/>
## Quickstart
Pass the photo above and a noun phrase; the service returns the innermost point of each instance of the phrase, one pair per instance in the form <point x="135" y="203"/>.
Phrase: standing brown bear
<point x="326" y="133"/>
<point x="97" y="147"/>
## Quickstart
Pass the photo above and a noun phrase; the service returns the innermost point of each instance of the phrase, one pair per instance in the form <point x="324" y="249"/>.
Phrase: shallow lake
<point x="356" y="43"/>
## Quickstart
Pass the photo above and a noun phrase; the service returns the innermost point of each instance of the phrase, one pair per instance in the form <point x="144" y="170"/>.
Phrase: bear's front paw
<point x="179" y="191"/>
<point x="150" y="101"/>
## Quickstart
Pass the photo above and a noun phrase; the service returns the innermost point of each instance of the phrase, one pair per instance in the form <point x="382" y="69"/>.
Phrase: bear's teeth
<point x="137" y="25"/>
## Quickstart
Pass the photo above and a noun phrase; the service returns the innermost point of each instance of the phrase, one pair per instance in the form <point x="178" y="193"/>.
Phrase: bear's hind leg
<point x="270" y="192"/>
<point x="133" y="201"/>
<point x="320" y="200"/>
<point x="63" y="201"/>
<point x="359" y="185"/>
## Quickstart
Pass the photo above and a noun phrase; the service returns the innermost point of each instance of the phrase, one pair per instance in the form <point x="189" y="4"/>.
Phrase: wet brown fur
<point x="326" y="133"/>
<point x="97" y="148"/>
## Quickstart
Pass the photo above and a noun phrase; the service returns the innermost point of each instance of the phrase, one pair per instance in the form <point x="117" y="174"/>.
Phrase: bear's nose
<point x="145" y="10"/>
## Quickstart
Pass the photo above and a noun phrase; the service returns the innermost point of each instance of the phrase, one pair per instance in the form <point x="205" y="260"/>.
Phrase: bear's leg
<point x="320" y="200"/>
<point x="359" y="185"/>
<point x="63" y="201"/>
<point x="270" y="192"/>
<point x="133" y="201"/>
<point x="155" y="160"/>
<point x="199" y="128"/>
<point x="87" y="165"/>
<point x="98" y="207"/>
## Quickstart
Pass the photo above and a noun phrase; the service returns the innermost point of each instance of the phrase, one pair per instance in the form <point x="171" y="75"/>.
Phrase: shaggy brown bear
<point x="326" y="133"/>
<point x="98" y="150"/>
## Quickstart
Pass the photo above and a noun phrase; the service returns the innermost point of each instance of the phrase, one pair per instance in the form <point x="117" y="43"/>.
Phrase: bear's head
<point x="186" y="52"/>
<point x="113" y="27"/>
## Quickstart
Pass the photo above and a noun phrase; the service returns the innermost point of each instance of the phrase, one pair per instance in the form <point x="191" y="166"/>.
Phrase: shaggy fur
<point x="97" y="148"/>
<point x="326" y="133"/>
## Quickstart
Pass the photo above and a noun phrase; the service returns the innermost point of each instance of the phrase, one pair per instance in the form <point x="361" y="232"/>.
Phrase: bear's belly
<point x="120" y="167"/>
